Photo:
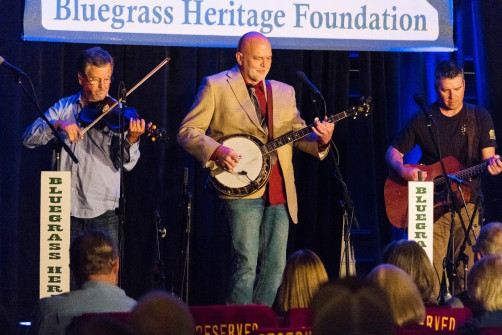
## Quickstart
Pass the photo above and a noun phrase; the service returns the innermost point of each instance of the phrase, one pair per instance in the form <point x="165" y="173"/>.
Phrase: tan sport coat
<point x="223" y="107"/>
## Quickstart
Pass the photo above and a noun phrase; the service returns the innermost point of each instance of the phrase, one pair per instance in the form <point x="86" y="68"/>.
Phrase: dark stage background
<point x="156" y="184"/>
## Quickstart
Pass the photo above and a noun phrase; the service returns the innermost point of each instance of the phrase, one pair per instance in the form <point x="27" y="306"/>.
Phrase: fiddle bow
<point x="107" y="108"/>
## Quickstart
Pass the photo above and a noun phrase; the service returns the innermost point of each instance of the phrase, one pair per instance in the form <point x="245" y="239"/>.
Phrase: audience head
<point x="351" y="306"/>
<point x="6" y="322"/>
<point x="161" y="313"/>
<point x="94" y="254"/>
<point x="406" y="304"/>
<point x="302" y="276"/>
<point x="484" y="283"/>
<point x="98" y="325"/>
<point x="489" y="241"/>
<point x="411" y="257"/>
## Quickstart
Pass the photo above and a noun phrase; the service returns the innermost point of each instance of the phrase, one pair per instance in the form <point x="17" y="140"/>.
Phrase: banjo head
<point x="252" y="170"/>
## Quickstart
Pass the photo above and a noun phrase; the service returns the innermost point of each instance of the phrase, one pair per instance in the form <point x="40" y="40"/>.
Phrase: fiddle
<point x="108" y="113"/>
<point x="103" y="109"/>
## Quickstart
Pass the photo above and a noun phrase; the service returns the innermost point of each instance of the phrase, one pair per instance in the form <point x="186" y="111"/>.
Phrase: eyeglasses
<point x="96" y="81"/>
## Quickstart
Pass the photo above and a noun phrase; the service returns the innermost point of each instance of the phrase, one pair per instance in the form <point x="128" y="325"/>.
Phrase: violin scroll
<point x="156" y="134"/>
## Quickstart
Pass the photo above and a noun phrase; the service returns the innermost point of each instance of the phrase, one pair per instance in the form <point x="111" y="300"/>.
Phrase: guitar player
<point x="238" y="101"/>
<point x="462" y="131"/>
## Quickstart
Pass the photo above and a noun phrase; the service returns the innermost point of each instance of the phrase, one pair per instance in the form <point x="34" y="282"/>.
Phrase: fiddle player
<point x="95" y="180"/>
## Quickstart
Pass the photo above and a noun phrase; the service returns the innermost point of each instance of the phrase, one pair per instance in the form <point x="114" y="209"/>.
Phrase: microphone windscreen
<point x="420" y="101"/>
<point x="300" y="75"/>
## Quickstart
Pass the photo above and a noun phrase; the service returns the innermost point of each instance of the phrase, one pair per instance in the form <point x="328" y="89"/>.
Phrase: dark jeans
<point x="108" y="221"/>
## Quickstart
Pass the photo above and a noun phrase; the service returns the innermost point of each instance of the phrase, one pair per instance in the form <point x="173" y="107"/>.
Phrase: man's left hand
<point x="495" y="165"/>
<point x="324" y="130"/>
<point x="136" y="129"/>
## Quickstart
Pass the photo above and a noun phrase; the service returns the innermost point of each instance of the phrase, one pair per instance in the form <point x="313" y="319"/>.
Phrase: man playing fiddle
<point x="95" y="180"/>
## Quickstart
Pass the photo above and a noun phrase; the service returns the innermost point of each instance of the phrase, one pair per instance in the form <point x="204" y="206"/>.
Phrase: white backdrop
<point x="362" y="25"/>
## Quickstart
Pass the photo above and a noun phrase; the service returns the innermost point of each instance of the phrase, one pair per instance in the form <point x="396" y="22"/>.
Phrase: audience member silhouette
<point x="411" y="257"/>
<point x="6" y="322"/>
<point x="351" y="306"/>
<point x="405" y="301"/>
<point x="302" y="276"/>
<point x="161" y="313"/>
<point x="484" y="283"/>
<point x="489" y="241"/>
<point x="99" y="324"/>
<point x="94" y="261"/>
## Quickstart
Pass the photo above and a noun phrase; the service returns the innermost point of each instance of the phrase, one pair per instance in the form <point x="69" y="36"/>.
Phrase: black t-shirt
<point x="453" y="139"/>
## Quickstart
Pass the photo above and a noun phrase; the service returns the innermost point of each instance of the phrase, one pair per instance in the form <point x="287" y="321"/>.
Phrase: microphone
<point x="423" y="106"/>
<point x="300" y="75"/>
<point x="11" y="67"/>
<point x="420" y="101"/>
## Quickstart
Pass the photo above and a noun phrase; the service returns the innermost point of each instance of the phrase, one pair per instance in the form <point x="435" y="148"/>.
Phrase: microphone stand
<point x="449" y="268"/>
<point x="347" y="203"/>
<point x="122" y="200"/>
<point x="60" y="143"/>
<point x="187" y="206"/>
<point x="462" y="257"/>
<point x="159" y="268"/>
<point x="348" y="207"/>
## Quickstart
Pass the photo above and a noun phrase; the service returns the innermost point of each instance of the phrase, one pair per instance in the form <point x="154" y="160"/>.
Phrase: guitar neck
<point x="466" y="173"/>
<point x="299" y="134"/>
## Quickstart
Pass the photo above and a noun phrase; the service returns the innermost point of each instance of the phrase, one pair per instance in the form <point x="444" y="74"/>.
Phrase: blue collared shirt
<point x="95" y="180"/>
<point x="52" y="315"/>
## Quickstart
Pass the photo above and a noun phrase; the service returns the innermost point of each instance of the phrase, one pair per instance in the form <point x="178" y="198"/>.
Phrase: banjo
<point x="255" y="164"/>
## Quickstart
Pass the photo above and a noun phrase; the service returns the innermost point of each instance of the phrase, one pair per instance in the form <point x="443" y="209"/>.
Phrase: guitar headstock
<point x="363" y="109"/>
<point x="156" y="134"/>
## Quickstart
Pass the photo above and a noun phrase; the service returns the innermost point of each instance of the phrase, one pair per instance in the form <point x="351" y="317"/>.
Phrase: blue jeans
<point x="259" y="236"/>
<point x="108" y="221"/>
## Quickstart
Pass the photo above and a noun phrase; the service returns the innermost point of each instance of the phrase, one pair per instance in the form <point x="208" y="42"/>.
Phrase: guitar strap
<point x="471" y="130"/>
<point x="270" y="111"/>
<point x="270" y="118"/>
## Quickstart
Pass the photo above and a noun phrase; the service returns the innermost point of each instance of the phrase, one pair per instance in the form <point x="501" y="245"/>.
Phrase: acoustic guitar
<point x="254" y="167"/>
<point x="396" y="189"/>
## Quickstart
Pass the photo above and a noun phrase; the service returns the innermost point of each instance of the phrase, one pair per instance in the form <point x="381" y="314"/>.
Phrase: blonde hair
<point x="411" y="257"/>
<point x="489" y="241"/>
<point x="405" y="301"/>
<point x="302" y="276"/>
<point x="484" y="283"/>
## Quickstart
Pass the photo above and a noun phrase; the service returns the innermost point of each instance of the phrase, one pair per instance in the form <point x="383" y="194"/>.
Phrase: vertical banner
<point x="55" y="202"/>
<point x="421" y="214"/>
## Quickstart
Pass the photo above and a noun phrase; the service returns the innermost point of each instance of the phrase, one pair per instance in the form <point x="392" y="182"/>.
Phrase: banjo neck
<point x="293" y="136"/>
<point x="255" y="165"/>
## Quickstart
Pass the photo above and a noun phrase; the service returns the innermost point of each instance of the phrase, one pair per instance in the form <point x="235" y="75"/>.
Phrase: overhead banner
<point x="360" y="25"/>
